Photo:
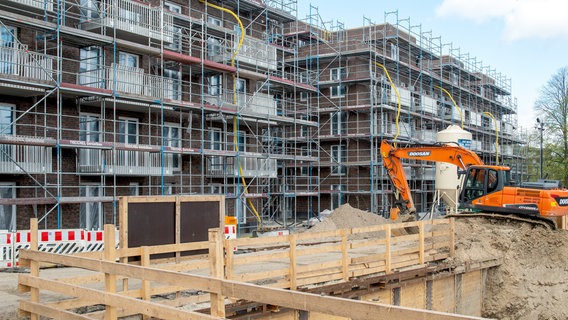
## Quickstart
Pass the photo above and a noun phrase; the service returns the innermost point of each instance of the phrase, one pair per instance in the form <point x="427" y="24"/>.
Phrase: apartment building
<point x="108" y="98"/>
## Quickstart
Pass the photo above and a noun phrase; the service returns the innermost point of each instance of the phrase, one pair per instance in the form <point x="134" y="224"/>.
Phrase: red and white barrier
<point x="62" y="241"/>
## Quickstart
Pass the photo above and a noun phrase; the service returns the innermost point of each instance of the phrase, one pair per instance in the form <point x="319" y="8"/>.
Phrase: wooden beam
<point x="34" y="265"/>
<point x="216" y="260"/>
<point x="293" y="262"/>
<point x="110" y="279"/>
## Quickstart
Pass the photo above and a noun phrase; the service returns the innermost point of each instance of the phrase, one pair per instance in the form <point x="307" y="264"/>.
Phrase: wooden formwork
<point x="351" y="253"/>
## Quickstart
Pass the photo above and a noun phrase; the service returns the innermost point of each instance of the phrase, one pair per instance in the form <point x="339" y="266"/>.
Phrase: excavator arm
<point x="392" y="160"/>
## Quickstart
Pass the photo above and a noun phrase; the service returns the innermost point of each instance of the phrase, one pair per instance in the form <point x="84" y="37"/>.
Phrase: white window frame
<point x="338" y="122"/>
<point x="338" y="157"/>
<point x="241" y="88"/>
<point x="10" y="58"/>
<point x="304" y="169"/>
<point x="127" y="133"/>
<point x="173" y="91"/>
<point x="337" y="74"/>
<point x="176" y="31"/>
<point x="124" y="59"/>
<point x="336" y="198"/>
<point x="91" y="74"/>
<point x="86" y="190"/>
<point x="214" y="21"/>
<point x="170" y="141"/>
<point x="11" y="225"/>
<point x="394" y="52"/>
<point x="89" y="10"/>
<point x="215" y="85"/>
<point x="216" y="188"/>
<point x="304" y="95"/>
<point x="134" y="189"/>
<point x="87" y="134"/>
<point x="11" y="108"/>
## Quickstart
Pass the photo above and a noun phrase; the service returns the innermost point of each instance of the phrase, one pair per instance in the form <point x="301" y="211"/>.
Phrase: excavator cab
<point x="483" y="180"/>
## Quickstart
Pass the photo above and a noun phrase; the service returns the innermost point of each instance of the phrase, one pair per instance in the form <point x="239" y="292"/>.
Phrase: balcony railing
<point x="260" y="103"/>
<point x="131" y="80"/>
<point x="15" y="59"/>
<point x="128" y="162"/>
<point x="251" y="167"/>
<point x="37" y="4"/>
<point x="252" y="52"/>
<point x="29" y="159"/>
<point x="132" y="17"/>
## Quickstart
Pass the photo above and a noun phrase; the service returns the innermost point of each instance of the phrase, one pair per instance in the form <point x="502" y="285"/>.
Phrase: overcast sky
<point x="527" y="40"/>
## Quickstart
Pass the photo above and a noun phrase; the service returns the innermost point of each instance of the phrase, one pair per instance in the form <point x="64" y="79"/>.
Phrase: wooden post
<point x="145" y="262"/>
<point x="34" y="264"/>
<point x="452" y="236"/>
<point x="344" y="255"/>
<point x="110" y="279"/>
<point x="216" y="270"/>
<point x="293" y="242"/>
<point x="421" y="242"/>
<point x="228" y="259"/>
<point x="388" y="249"/>
<point x="123" y="235"/>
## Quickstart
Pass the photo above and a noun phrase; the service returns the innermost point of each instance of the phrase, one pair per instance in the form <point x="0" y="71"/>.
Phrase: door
<point x="8" y="50"/>
<point x="90" y="213"/>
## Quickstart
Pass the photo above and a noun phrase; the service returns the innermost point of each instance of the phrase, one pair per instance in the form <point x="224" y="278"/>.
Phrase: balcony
<point x="18" y="63"/>
<point x="258" y="103"/>
<point x="251" y="167"/>
<point x="21" y="159"/>
<point x="34" y="5"/>
<point x="128" y="162"/>
<point x="132" y="20"/>
<point x="131" y="80"/>
<point x="253" y="52"/>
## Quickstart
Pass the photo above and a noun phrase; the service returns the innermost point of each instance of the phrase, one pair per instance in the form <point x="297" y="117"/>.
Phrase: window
<point x="172" y="84"/>
<point x="171" y="135"/>
<point x="241" y="92"/>
<point x="128" y="131"/>
<point x="128" y="16"/>
<point x="214" y="21"/>
<point x="241" y="138"/>
<point x="304" y="96"/>
<point x="8" y="53"/>
<point x="168" y="189"/>
<point x="338" y="74"/>
<point x="394" y="51"/>
<point x="305" y="169"/>
<point x="337" y="198"/>
<point x="215" y="85"/>
<point x="90" y="213"/>
<point x="7" y="211"/>
<point x="455" y="78"/>
<point x="128" y="134"/>
<point x="338" y="157"/>
<point x="216" y="188"/>
<point x="216" y="143"/>
<point x="6" y="119"/>
<point x="214" y="50"/>
<point x="339" y="122"/>
<point x="89" y="10"/>
<point x="91" y="67"/>
<point x="304" y="77"/>
<point x="134" y="189"/>
<point x="128" y="59"/>
<point x="89" y="128"/>
<point x="175" y="30"/>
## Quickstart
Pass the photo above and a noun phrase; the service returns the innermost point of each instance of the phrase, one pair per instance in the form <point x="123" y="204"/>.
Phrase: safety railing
<point x="15" y="59"/>
<point x="125" y="162"/>
<point x="248" y="167"/>
<point x="37" y="4"/>
<point x="25" y="158"/>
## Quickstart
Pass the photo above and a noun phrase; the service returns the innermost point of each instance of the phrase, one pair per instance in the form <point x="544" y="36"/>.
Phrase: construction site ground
<point x="530" y="283"/>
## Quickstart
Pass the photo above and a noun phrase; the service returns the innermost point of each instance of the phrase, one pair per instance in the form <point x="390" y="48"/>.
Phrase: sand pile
<point x="346" y="217"/>
<point x="532" y="282"/>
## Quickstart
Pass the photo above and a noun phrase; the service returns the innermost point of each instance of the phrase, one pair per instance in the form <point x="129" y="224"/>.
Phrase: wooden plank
<point x="368" y="229"/>
<point x="259" y="257"/>
<point x="216" y="270"/>
<point x="331" y="305"/>
<point x="113" y="299"/>
<point x="185" y="266"/>
<point x="421" y="243"/>
<point x="368" y="258"/>
<point x="471" y="302"/>
<point x="320" y="279"/>
<point x="293" y="262"/>
<point x="413" y="295"/>
<point x="367" y="243"/>
<point x="410" y="237"/>
<point x="165" y="248"/>
<point x="229" y="260"/>
<point x="322" y="272"/>
<point x="452" y="236"/>
<point x="444" y="294"/>
<point x="388" y="249"/>
<point x="178" y="227"/>
<point x="48" y="311"/>
<point x="145" y="262"/>
<point x="319" y="249"/>
<point x="318" y="236"/>
<point x="244" y="242"/>
<point x="249" y="277"/>
<point x="34" y="265"/>
<point x="110" y="279"/>
<point x="381" y="296"/>
<point x="123" y="232"/>
<point x="344" y="256"/>
<point x="367" y="271"/>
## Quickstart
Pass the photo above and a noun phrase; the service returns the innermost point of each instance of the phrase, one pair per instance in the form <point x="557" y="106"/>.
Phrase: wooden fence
<point x="286" y="261"/>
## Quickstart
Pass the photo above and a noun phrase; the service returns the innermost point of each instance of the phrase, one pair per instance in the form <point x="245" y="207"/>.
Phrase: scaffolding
<point x="110" y="98"/>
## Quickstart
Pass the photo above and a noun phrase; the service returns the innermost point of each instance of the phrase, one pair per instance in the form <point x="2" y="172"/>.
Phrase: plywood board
<point x="443" y="294"/>
<point x="471" y="299"/>
<point x="322" y="316"/>
<point x="382" y="296"/>
<point x="413" y="295"/>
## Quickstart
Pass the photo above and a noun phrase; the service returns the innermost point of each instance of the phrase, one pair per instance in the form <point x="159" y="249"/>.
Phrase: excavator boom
<point x="392" y="160"/>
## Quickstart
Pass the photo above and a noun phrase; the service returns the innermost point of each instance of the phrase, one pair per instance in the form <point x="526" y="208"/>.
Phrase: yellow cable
<point x="235" y="131"/>
<point x="454" y="102"/>
<point x="397" y="99"/>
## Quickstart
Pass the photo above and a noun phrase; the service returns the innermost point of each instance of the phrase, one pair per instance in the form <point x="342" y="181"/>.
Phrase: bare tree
<point x="552" y="104"/>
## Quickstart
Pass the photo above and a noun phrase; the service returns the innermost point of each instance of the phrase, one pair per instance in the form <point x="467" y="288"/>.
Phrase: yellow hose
<point x="235" y="131"/>
<point x="453" y="101"/>
<point x="397" y="100"/>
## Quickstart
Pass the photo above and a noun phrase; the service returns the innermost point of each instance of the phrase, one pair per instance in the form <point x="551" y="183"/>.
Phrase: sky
<point x="526" y="40"/>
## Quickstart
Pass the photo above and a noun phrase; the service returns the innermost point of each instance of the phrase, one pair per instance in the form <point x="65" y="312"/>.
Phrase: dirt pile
<point x="346" y="217"/>
<point x="532" y="281"/>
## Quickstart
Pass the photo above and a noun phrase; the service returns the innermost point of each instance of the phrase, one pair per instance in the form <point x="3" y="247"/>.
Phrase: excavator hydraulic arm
<point x="392" y="160"/>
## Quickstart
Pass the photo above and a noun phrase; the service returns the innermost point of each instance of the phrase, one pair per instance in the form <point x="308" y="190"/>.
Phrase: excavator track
<point x="534" y="220"/>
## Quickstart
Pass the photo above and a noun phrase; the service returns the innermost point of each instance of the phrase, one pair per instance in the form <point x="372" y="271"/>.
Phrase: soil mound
<point x="346" y="217"/>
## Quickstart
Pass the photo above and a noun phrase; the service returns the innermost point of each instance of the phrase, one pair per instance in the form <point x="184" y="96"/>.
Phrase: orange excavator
<point x="487" y="190"/>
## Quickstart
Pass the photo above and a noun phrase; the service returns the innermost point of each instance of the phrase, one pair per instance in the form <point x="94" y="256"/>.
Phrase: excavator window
<point x="492" y="181"/>
<point x="474" y="184"/>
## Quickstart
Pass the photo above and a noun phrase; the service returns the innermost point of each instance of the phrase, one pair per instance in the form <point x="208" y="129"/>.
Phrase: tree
<point x="552" y="104"/>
